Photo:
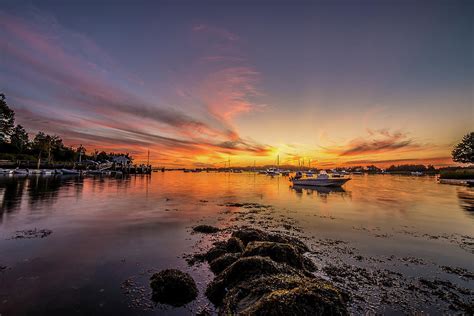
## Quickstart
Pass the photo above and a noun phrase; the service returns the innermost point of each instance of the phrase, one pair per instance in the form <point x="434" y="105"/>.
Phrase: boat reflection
<point x="466" y="200"/>
<point x="320" y="191"/>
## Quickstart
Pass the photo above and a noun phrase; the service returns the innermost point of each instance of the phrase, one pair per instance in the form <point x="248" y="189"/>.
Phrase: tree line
<point x="15" y="143"/>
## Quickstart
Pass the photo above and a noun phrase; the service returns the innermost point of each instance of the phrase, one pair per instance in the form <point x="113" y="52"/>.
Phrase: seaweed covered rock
<point x="242" y="270"/>
<point x="284" y="294"/>
<point x="260" y="273"/>
<point x="205" y="229"/>
<point x="214" y="253"/>
<point x="234" y="244"/>
<point x="220" y="264"/>
<point x="247" y="235"/>
<point x="279" y="252"/>
<point x="173" y="287"/>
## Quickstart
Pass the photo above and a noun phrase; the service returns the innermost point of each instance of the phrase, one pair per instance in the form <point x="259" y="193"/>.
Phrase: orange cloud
<point x="377" y="141"/>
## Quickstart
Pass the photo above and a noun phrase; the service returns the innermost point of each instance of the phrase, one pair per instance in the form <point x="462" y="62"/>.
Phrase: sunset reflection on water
<point x="106" y="229"/>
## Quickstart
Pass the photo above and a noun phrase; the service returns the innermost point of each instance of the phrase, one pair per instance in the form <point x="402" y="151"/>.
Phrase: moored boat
<point x="322" y="180"/>
<point x="6" y="171"/>
<point x="21" y="171"/>
<point x="272" y="172"/>
<point x="70" y="171"/>
<point x="285" y="173"/>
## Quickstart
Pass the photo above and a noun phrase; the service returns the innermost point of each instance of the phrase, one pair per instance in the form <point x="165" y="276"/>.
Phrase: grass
<point x="460" y="174"/>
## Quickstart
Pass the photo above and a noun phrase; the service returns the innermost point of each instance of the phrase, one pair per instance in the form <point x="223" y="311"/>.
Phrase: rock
<point x="235" y="245"/>
<point x="309" y="264"/>
<point x="260" y="273"/>
<point x="283" y="253"/>
<point x="242" y="270"/>
<point x="173" y="287"/>
<point x="247" y="235"/>
<point x="205" y="229"/>
<point x="284" y="294"/>
<point x="215" y="253"/>
<point x="220" y="264"/>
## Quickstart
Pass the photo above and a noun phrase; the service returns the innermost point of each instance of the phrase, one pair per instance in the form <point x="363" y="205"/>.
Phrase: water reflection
<point x="466" y="200"/>
<point x="37" y="191"/>
<point x="322" y="192"/>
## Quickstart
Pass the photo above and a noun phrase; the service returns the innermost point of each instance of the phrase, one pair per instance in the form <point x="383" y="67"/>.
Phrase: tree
<point x="7" y="120"/>
<point x="464" y="151"/>
<point x="19" y="138"/>
<point x="41" y="144"/>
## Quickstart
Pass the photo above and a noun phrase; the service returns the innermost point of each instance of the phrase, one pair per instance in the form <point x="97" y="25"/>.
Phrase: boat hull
<point x="320" y="182"/>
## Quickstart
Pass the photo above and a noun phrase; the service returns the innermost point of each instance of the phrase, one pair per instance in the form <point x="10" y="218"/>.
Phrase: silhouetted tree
<point x="41" y="144"/>
<point x="464" y="151"/>
<point x="19" y="139"/>
<point x="7" y="120"/>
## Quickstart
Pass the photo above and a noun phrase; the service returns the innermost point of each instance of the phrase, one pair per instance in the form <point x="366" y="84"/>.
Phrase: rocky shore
<point x="261" y="262"/>
<point x="256" y="273"/>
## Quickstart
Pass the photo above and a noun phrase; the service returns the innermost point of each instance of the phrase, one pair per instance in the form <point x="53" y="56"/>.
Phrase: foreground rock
<point x="284" y="294"/>
<point x="173" y="287"/>
<point x="32" y="233"/>
<point x="270" y="276"/>
<point x="205" y="229"/>
<point x="247" y="235"/>
<point x="278" y="252"/>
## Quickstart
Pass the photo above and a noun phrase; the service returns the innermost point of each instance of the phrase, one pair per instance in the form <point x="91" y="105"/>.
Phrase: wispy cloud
<point x="376" y="141"/>
<point x="75" y="89"/>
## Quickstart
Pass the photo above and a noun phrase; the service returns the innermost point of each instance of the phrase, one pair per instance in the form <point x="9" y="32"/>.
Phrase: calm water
<point x="105" y="231"/>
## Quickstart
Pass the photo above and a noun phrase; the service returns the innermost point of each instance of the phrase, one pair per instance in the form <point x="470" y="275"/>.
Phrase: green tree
<point x="464" y="151"/>
<point x="19" y="138"/>
<point x="7" y="120"/>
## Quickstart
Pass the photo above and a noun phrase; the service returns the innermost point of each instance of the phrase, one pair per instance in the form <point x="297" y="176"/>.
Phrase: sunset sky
<point x="197" y="83"/>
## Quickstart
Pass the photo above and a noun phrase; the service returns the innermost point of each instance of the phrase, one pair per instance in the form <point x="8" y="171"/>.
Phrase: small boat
<point x="416" y="173"/>
<point x="357" y="172"/>
<point x="322" y="180"/>
<point x="70" y="171"/>
<point x="6" y="171"/>
<point x="95" y="172"/>
<point x="285" y="173"/>
<point x="262" y="172"/>
<point x="34" y="171"/>
<point x="21" y="171"/>
<point x="272" y="172"/>
<point x="47" y="172"/>
<point x="309" y="173"/>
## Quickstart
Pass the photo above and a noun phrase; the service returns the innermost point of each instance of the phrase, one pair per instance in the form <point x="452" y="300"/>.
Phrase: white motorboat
<point x="47" y="172"/>
<point x="273" y="172"/>
<point x="309" y="173"/>
<point x="70" y="171"/>
<point x="34" y="171"/>
<point x="20" y="171"/>
<point x="6" y="171"/>
<point x="322" y="180"/>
